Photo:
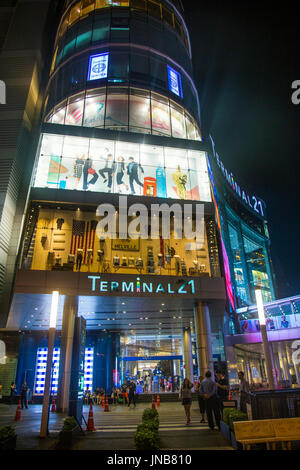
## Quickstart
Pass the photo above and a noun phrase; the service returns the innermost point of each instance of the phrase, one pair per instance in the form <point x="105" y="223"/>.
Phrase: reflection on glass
<point x="160" y="118"/>
<point x="94" y="111"/>
<point x="116" y="111"/>
<point x="178" y="124"/>
<point x="75" y="111"/>
<point x="140" y="112"/>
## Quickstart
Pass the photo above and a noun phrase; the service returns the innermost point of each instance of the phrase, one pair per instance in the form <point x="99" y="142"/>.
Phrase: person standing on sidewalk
<point x="222" y="388"/>
<point x="186" y="398"/>
<point x="208" y="389"/>
<point x="24" y="396"/>
<point x="131" y="394"/>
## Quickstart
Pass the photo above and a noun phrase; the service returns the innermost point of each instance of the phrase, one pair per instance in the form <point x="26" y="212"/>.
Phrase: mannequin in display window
<point x="79" y="259"/>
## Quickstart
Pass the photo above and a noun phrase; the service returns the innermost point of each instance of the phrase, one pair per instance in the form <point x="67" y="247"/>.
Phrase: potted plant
<point x="8" y="438"/>
<point x="236" y="415"/>
<point x="146" y="436"/>
<point x="70" y="427"/>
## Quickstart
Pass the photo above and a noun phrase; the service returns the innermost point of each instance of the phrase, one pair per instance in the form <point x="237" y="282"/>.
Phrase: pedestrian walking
<point x="132" y="394"/>
<point x="13" y="392"/>
<point x="24" y="396"/>
<point x="208" y="389"/>
<point x="186" y="398"/>
<point x="201" y="400"/>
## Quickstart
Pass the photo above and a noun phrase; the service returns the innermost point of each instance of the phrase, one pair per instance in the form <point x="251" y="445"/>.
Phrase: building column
<point x="203" y="338"/>
<point x="187" y="354"/>
<point x="284" y="362"/>
<point x="277" y="364"/>
<point x="70" y="311"/>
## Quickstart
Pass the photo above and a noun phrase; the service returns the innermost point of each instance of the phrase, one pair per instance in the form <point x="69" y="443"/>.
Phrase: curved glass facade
<point x="80" y="10"/>
<point x="126" y="109"/>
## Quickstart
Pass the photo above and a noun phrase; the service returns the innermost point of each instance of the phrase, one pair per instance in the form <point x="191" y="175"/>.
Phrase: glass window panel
<point x="100" y="30"/>
<point x="83" y="39"/>
<point x="168" y="16"/>
<point x="139" y="112"/>
<point x="101" y="4"/>
<point x="94" y="112"/>
<point x="87" y="7"/>
<point x="119" y="65"/>
<point x="177" y="182"/>
<point x="116" y="111"/>
<point x="64" y="25"/>
<point x="59" y="114"/>
<point x="160" y="118"/>
<point x="175" y="157"/>
<point x="99" y="149"/>
<point x="69" y="48"/>
<point x="75" y="110"/>
<point x="75" y="13"/>
<point x="139" y="4"/>
<point x="154" y="9"/>
<point x="178" y="123"/>
<point x="190" y="128"/>
<point x="50" y="152"/>
<point x="152" y="155"/>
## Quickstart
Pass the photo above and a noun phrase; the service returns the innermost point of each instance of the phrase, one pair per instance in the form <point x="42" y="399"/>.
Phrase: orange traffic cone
<point x="103" y="401"/>
<point x="18" y="412"/>
<point x="153" y="403"/>
<point x="229" y="395"/>
<point x="158" y="401"/>
<point x="53" y="408"/>
<point x="106" y="405"/>
<point x="90" y="424"/>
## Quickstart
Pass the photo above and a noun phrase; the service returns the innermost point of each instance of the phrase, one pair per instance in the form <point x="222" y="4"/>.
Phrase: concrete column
<point x="69" y="313"/>
<point x="203" y="338"/>
<point x="187" y="354"/>
<point x="277" y="363"/>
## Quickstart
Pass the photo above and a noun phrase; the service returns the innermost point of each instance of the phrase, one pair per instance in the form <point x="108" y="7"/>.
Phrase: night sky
<point x="246" y="56"/>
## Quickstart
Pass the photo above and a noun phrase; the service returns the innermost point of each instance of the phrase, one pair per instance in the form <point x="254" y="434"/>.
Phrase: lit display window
<point x="98" y="66"/>
<point x="148" y="113"/>
<point x="99" y="165"/>
<point x="40" y="370"/>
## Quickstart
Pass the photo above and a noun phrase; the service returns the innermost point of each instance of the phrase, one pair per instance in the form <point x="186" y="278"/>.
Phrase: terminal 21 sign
<point x="139" y="286"/>
<point x="251" y="201"/>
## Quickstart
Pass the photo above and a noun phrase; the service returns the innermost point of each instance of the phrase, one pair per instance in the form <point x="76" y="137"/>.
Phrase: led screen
<point x="174" y="79"/>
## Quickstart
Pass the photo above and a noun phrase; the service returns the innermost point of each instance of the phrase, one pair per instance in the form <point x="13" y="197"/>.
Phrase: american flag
<point x="83" y="236"/>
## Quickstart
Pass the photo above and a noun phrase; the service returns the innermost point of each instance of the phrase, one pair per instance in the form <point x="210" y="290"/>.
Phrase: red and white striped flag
<point x="83" y="236"/>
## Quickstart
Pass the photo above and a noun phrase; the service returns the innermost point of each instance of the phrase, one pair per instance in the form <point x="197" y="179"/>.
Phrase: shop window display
<point x="68" y="240"/>
<point x="121" y="167"/>
<point x="155" y="113"/>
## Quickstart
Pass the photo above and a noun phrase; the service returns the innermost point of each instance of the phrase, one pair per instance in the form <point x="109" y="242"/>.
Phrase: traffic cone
<point x="90" y="424"/>
<point x="158" y="401"/>
<point x="53" y="408"/>
<point x="18" y="412"/>
<point x="153" y="403"/>
<point x="106" y="405"/>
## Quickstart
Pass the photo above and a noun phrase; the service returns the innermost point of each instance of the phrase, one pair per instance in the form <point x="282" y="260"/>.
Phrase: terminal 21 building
<point x="114" y="199"/>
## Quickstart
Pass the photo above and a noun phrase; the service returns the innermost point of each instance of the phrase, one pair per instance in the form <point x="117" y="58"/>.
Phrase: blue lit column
<point x="187" y="354"/>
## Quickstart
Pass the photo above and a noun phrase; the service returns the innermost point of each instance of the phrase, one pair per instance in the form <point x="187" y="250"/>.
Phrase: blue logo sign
<point x="98" y="66"/>
<point x="174" y="79"/>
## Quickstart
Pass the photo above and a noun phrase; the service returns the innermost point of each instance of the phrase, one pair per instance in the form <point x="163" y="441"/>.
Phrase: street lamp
<point x="263" y="329"/>
<point x="51" y="338"/>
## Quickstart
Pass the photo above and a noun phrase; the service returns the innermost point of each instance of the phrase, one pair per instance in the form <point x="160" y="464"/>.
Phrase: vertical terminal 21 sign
<point x="256" y="204"/>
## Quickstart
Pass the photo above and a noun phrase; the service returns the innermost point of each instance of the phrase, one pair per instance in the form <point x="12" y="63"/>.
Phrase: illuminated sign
<point x="141" y="287"/>
<point x="98" y="66"/>
<point x="252" y="201"/>
<point x="174" y="79"/>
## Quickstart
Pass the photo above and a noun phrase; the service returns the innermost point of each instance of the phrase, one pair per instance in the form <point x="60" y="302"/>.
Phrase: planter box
<point x="225" y="431"/>
<point x="236" y="445"/>
<point x="8" y="444"/>
<point x="66" y="438"/>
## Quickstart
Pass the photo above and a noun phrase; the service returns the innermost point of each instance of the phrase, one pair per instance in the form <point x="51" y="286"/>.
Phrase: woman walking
<point x="186" y="398"/>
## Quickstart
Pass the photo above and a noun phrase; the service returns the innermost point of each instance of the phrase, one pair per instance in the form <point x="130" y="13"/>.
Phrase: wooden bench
<point x="268" y="431"/>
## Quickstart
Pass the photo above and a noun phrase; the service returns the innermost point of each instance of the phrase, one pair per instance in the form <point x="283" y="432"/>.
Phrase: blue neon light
<point x="174" y="79"/>
<point x="98" y="66"/>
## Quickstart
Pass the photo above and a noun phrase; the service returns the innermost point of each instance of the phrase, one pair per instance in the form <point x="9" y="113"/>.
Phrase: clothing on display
<point x="59" y="223"/>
